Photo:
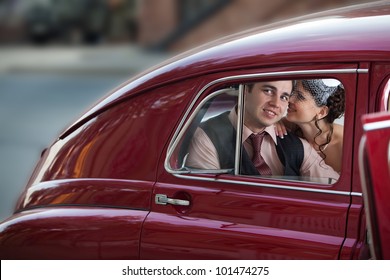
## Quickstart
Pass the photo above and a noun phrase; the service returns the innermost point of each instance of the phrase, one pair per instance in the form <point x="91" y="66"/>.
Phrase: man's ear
<point x="323" y="112"/>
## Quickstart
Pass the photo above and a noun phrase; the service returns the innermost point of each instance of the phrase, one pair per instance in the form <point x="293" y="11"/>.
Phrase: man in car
<point x="213" y="144"/>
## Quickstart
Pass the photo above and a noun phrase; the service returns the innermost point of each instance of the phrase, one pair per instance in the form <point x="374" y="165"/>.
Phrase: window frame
<point x="213" y="175"/>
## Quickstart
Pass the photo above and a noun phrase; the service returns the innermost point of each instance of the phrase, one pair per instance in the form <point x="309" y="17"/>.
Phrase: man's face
<point x="266" y="103"/>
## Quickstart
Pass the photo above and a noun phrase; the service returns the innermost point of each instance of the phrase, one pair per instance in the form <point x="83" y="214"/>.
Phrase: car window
<point x="207" y="143"/>
<point x="215" y="104"/>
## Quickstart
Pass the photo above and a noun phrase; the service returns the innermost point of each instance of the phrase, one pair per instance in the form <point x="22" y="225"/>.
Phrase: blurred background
<point x="58" y="57"/>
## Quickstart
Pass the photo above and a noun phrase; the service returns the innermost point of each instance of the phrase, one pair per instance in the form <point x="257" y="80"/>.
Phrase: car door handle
<point x="162" y="199"/>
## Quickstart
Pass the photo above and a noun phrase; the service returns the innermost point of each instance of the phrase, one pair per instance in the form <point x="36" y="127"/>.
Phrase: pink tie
<point x="257" y="159"/>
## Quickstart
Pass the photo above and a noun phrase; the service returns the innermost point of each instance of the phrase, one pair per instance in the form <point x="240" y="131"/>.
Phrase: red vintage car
<point x="116" y="184"/>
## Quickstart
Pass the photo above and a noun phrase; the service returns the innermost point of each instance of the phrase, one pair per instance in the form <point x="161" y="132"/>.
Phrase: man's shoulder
<point x="292" y="139"/>
<point x="218" y="122"/>
<point x="218" y="118"/>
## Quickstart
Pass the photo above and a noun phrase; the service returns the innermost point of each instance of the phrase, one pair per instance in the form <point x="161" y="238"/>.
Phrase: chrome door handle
<point x="162" y="199"/>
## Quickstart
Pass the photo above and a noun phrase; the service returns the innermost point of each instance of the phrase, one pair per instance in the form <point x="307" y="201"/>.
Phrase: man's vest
<point x="223" y="135"/>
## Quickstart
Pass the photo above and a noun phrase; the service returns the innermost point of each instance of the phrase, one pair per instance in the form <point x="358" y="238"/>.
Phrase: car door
<point x="219" y="215"/>
<point x="374" y="162"/>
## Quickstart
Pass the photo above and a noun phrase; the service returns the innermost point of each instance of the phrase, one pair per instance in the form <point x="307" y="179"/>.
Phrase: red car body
<point x="111" y="186"/>
<point x="374" y="162"/>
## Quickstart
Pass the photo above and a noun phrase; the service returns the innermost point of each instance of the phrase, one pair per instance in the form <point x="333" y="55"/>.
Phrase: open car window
<point x="198" y="148"/>
<point x="217" y="103"/>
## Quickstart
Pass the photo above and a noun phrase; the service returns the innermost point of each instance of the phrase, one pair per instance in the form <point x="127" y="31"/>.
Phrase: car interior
<point x="219" y="101"/>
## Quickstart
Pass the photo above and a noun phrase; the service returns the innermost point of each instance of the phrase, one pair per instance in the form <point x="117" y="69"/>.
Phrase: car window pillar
<point x="239" y="125"/>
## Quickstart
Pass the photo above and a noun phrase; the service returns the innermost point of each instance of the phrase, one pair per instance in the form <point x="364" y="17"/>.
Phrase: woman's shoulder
<point x="338" y="135"/>
<point x="338" y="130"/>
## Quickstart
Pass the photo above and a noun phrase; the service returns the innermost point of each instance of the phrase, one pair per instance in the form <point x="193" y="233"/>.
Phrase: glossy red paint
<point x="98" y="192"/>
<point x="336" y="36"/>
<point x="95" y="190"/>
<point x="72" y="233"/>
<point x="241" y="223"/>
<point x="375" y="153"/>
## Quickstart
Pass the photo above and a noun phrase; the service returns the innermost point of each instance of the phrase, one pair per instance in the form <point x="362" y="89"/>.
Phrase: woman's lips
<point x="291" y="110"/>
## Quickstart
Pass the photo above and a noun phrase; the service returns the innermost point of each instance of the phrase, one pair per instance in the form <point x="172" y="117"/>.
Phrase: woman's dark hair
<point x="336" y="105"/>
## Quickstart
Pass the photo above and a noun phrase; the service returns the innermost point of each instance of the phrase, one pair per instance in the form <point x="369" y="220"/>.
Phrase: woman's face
<point x="302" y="107"/>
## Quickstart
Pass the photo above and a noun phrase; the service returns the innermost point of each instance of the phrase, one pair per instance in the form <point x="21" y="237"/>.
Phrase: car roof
<point x="351" y="34"/>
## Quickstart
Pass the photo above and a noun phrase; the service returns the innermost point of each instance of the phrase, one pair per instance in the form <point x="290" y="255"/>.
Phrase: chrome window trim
<point x="362" y="71"/>
<point x="376" y="125"/>
<point x="265" y="185"/>
<point x="239" y="124"/>
<point x="182" y="127"/>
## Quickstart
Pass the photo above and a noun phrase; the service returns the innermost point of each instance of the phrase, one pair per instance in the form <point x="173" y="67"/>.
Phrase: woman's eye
<point x="298" y="96"/>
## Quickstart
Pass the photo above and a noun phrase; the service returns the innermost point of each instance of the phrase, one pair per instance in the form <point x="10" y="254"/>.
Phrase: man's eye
<point x="285" y="98"/>
<point x="267" y="91"/>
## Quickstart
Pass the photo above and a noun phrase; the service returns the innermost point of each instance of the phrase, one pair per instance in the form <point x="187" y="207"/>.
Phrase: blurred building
<point x="65" y="21"/>
<point x="166" y="25"/>
<point x="181" y="24"/>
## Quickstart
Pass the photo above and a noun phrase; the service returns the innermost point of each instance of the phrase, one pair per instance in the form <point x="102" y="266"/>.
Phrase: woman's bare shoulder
<point x="338" y="136"/>
<point x="338" y="130"/>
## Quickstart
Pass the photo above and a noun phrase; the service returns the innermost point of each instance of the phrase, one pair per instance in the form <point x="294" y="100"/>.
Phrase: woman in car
<point x="313" y="108"/>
